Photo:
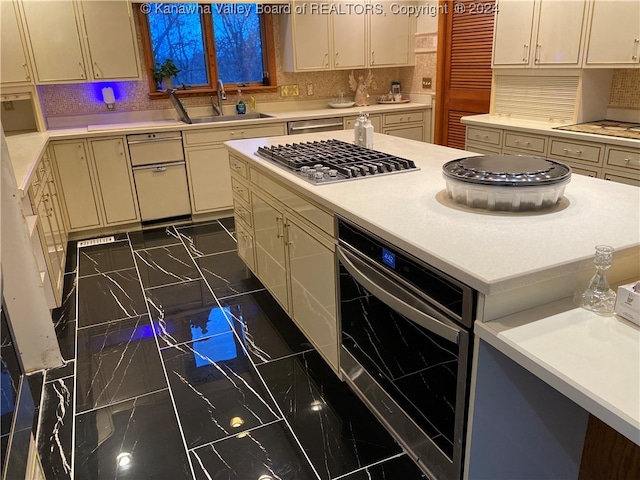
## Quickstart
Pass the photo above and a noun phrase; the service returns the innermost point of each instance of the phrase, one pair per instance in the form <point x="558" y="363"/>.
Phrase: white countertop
<point x="544" y="128"/>
<point x="26" y="149"/>
<point x="491" y="252"/>
<point x="593" y="360"/>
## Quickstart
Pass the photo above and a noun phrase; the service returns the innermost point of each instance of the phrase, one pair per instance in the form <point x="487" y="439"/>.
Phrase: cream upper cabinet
<point x="75" y="41"/>
<point x="614" y="34"/>
<point x="54" y="38"/>
<point x="542" y="33"/>
<point x="14" y="62"/>
<point x="349" y="37"/>
<point x="512" y="33"/>
<point x="345" y="35"/>
<point x="559" y="33"/>
<point x="390" y="36"/>
<point x="112" y="56"/>
<point x="306" y="39"/>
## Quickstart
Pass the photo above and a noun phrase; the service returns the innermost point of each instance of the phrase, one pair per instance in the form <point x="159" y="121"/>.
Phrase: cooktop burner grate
<point x="329" y="161"/>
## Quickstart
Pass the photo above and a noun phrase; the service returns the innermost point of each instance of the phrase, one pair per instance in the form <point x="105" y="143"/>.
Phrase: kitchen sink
<point x="230" y="118"/>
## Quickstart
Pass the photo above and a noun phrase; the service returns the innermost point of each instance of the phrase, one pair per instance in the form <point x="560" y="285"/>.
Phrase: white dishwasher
<point x="160" y="175"/>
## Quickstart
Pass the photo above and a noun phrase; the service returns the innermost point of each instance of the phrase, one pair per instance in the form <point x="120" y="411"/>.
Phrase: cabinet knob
<point x="26" y="72"/>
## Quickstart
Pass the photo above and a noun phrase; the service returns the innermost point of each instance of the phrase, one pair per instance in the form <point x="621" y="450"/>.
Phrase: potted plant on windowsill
<point x="165" y="73"/>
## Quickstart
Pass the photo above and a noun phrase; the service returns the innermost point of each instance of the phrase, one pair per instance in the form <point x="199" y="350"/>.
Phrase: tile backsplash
<point x="625" y="89"/>
<point x="85" y="98"/>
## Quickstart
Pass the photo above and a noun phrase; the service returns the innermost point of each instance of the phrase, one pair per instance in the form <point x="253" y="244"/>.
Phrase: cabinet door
<point x="14" y="66"/>
<point x="209" y="178"/>
<point x="115" y="181"/>
<point x="55" y="40"/>
<point x="512" y="33"/>
<point x="615" y="33"/>
<point x="349" y="35"/>
<point x="112" y="56"/>
<point x="313" y="290"/>
<point x="559" y="33"/>
<point x="389" y="39"/>
<point x="311" y="40"/>
<point x="77" y="185"/>
<point x="268" y="226"/>
<point x="412" y="133"/>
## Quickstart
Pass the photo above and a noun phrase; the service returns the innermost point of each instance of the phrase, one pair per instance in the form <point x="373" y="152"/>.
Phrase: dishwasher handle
<point x="158" y="167"/>
<point x="397" y="297"/>
<point x="151" y="140"/>
<point x="315" y="127"/>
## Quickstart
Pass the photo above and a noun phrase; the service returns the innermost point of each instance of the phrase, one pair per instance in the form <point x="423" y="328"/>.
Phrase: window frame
<point x="268" y="45"/>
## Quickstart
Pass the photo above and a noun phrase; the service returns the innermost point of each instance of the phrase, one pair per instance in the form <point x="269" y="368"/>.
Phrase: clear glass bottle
<point x="598" y="296"/>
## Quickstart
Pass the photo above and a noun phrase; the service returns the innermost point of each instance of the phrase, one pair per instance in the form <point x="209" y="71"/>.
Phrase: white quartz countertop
<point x="543" y="128"/>
<point x="26" y="149"/>
<point x="591" y="359"/>
<point x="491" y="252"/>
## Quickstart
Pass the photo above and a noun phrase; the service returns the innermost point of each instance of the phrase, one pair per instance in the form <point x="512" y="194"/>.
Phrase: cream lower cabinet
<point x="208" y="172"/>
<point x="97" y="184"/>
<point x="291" y="243"/>
<point x="78" y="187"/>
<point x="593" y="159"/>
<point x="208" y="164"/>
<point x="47" y="229"/>
<point x="414" y="125"/>
<point x="115" y="181"/>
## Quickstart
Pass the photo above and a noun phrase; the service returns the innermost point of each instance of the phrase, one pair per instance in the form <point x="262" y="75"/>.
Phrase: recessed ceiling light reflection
<point x="265" y="477"/>
<point x="236" y="422"/>
<point x="316" y="406"/>
<point x="123" y="460"/>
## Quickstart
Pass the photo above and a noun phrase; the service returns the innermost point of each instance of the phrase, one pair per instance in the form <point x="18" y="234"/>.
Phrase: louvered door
<point x="464" y="68"/>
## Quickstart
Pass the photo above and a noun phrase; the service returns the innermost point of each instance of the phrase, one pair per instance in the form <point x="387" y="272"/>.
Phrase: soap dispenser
<point x="241" y="107"/>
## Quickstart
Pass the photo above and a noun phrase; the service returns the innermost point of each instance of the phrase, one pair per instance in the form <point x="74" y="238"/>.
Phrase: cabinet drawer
<point x="585" y="170"/>
<point x="492" y="137"/>
<point x="239" y="189"/>
<point x="238" y="166"/>
<point x="242" y="211"/>
<point x="623" y="158"/>
<point x="301" y="206"/>
<point x="245" y="246"/>
<point x="376" y="121"/>
<point x="406" y="117"/>
<point x="525" y="142"/>
<point x="631" y="178"/>
<point x="219" y="135"/>
<point x="483" y="149"/>
<point x="576" y="151"/>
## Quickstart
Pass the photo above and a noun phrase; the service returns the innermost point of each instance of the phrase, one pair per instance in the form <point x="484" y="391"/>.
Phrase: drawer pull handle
<point x="279" y="228"/>
<point x="569" y="152"/>
<point x="160" y="169"/>
<point x="27" y="77"/>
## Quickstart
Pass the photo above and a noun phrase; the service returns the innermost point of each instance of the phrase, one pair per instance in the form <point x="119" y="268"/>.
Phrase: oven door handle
<point x="396" y="296"/>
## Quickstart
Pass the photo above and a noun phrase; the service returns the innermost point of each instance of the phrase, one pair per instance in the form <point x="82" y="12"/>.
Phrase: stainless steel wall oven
<point x="406" y="346"/>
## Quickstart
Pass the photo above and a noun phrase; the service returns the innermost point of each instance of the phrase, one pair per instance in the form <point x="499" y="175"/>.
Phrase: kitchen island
<point x="515" y="261"/>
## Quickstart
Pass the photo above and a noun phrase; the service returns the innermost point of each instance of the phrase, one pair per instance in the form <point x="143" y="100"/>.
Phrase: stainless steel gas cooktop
<point x="330" y="161"/>
<point x="611" y="128"/>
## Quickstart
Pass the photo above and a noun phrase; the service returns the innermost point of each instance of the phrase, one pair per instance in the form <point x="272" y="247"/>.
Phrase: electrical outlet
<point x="309" y="89"/>
<point x="8" y="105"/>
<point x="289" y="90"/>
<point x="426" y="82"/>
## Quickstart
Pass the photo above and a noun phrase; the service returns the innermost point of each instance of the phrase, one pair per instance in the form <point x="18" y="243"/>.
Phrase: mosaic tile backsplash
<point x="625" y="89"/>
<point x="85" y="98"/>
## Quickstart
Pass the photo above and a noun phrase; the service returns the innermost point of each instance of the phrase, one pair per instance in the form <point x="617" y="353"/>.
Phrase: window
<point x="228" y="41"/>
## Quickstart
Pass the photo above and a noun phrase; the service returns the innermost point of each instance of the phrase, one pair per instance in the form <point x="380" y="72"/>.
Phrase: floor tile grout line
<point x="105" y="273"/>
<point x="180" y="344"/>
<point x="102" y="324"/>
<point x="172" y="284"/>
<point x="236" y="434"/>
<point x="124" y="400"/>
<point x="75" y="368"/>
<point x="363" y="468"/>
<point x="284" y="418"/>
<point x="156" y="247"/>
<point x="258" y="290"/>
<point x="164" y="369"/>
<point x="291" y="355"/>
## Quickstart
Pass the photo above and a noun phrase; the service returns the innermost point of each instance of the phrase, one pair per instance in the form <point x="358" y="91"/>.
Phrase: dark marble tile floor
<point x="180" y="365"/>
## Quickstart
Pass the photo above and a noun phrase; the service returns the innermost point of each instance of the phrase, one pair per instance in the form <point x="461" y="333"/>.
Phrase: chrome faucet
<point x="222" y="95"/>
